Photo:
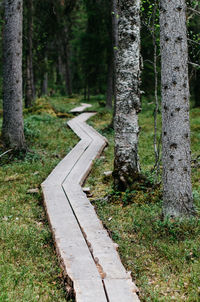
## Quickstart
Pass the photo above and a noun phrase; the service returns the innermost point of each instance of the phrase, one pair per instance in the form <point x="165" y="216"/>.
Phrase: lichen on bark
<point x="12" y="129"/>
<point x="126" y="163"/>
<point x="177" y="188"/>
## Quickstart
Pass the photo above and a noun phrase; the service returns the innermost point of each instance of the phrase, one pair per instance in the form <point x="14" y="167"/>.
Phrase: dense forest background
<point x="70" y="45"/>
<point x="69" y="56"/>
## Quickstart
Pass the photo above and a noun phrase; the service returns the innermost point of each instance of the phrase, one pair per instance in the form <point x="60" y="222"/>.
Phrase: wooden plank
<point x="75" y="256"/>
<point x="84" y="165"/>
<point x="89" y="291"/>
<point x="61" y="171"/>
<point x="87" y="252"/>
<point x="120" y="290"/>
<point x="102" y="246"/>
<point x="80" y="108"/>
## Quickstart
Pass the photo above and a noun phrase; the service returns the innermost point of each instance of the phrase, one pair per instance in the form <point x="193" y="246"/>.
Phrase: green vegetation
<point x="163" y="256"/>
<point x="29" y="269"/>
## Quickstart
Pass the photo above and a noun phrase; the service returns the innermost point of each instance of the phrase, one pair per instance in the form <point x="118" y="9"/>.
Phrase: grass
<point x="29" y="269"/>
<point x="163" y="256"/>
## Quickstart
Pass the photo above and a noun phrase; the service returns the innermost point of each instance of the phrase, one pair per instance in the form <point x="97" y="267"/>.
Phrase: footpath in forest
<point x="88" y="255"/>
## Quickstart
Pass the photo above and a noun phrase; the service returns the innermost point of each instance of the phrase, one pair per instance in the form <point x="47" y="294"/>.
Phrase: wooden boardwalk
<point x="88" y="255"/>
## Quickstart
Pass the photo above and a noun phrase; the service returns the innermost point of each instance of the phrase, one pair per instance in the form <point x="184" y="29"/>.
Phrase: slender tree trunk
<point x="177" y="189"/>
<point x="115" y="42"/>
<point x="67" y="61"/>
<point x="13" y="129"/>
<point x="67" y="71"/>
<point x="197" y="89"/>
<point x="45" y="84"/>
<point x="30" y="89"/>
<point x="109" y="91"/>
<point x="126" y="163"/>
<point x="59" y="70"/>
<point x="110" y="63"/>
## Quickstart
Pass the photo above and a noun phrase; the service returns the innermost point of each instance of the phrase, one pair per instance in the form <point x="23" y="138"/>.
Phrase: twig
<point x="194" y="65"/>
<point x="5" y="152"/>
<point x="192" y="41"/>
<point x="196" y="12"/>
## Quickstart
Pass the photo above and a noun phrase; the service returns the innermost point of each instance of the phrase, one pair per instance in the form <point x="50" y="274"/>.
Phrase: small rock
<point x="86" y="190"/>
<point x="36" y="173"/>
<point x="108" y="173"/>
<point x="33" y="191"/>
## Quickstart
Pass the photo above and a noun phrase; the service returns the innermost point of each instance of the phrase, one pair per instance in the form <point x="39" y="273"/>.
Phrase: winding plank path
<point x="88" y="255"/>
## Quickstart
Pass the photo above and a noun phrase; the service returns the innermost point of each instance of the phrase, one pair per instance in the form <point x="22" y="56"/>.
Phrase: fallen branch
<point x="194" y="64"/>
<point x="5" y="152"/>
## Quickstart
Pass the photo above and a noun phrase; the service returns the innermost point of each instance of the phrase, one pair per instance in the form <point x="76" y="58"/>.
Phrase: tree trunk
<point x="197" y="89"/>
<point x="13" y="128"/>
<point x="177" y="189"/>
<point x="66" y="61"/>
<point x="67" y="71"/>
<point x="126" y="163"/>
<point x="109" y="91"/>
<point x="115" y="42"/>
<point x="30" y="89"/>
<point x="45" y="84"/>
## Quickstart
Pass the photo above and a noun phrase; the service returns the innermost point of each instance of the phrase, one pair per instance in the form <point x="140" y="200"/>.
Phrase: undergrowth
<point x="163" y="255"/>
<point x="29" y="268"/>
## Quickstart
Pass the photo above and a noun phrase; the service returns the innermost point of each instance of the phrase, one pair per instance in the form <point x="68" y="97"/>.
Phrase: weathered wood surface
<point x="87" y="253"/>
<point x="80" y="108"/>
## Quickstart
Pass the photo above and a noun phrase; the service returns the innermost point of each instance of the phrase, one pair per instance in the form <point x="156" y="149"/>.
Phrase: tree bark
<point x="197" y="89"/>
<point x="67" y="61"/>
<point x="109" y="91"/>
<point x="45" y="84"/>
<point x="30" y="89"/>
<point x="13" y="128"/>
<point x="115" y="41"/>
<point x="177" y="188"/>
<point x="126" y="163"/>
<point x="67" y="71"/>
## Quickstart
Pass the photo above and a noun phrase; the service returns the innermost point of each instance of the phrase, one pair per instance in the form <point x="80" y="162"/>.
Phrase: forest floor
<point x="163" y="256"/>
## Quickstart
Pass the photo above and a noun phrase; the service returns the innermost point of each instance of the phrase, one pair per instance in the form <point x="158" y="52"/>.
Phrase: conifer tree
<point x="126" y="163"/>
<point x="13" y="129"/>
<point x="177" y="188"/>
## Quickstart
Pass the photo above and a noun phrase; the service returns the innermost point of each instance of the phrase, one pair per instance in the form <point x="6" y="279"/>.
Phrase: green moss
<point x="29" y="267"/>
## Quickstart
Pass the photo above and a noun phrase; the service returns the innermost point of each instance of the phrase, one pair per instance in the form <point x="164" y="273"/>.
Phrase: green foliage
<point x="29" y="267"/>
<point x="163" y="255"/>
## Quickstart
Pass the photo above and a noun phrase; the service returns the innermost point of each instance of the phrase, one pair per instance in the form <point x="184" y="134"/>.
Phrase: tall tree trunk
<point x="115" y="42"/>
<point x="45" y="84"/>
<point x="13" y="129"/>
<point x="109" y="91"/>
<point x="67" y="71"/>
<point x="177" y="189"/>
<point x="110" y="63"/>
<point x="126" y="163"/>
<point x="197" y="89"/>
<point x="30" y="89"/>
<point x="67" y="61"/>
